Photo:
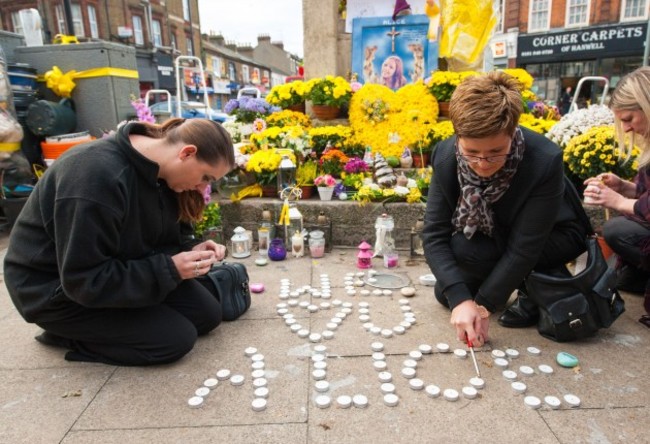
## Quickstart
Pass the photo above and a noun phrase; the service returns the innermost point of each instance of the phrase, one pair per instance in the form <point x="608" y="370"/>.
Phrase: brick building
<point x="560" y="41"/>
<point x="160" y="30"/>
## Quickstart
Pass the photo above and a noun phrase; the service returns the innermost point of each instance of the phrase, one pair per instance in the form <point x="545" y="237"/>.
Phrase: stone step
<point x="351" y="222"/>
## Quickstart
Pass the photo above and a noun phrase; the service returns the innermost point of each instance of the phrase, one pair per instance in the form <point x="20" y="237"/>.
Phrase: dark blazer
<point x="524" y="217"/>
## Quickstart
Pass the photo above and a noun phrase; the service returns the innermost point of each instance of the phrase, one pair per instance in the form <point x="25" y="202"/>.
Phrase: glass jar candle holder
<point x="391" y="259"/>
<point x="263" y="239"/>
<point x="297" y="245"/>
<point x="317" y="244"/>
<point x="277" y="251"/>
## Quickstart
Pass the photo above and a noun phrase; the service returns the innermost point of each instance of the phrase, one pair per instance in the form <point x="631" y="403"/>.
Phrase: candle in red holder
<point x="364" y="257"/>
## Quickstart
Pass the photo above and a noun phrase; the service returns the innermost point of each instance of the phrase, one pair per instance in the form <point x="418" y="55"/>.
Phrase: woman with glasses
<point x="102" y="256"/>
<point x="498" y="207"/>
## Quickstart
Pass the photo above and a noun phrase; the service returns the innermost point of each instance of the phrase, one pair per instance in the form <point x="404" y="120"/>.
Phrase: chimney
<point x="263" y="38"/>
<point x="278" y="45"/>
<point x="231" y="45"/>
<point x="217" y="39"/>
<point x="245" y="50"/>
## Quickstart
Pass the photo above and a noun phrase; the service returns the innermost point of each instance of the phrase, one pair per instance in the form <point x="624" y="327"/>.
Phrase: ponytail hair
<point x="213" y="144"/>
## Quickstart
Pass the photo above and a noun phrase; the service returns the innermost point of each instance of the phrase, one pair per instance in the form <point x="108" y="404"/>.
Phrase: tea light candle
<point x="344" y="401"/>
<point x="391" y="399"/>
<point x="433" y="391"/>
<point x="450" y="395"/>
<point x="258" y="404"/>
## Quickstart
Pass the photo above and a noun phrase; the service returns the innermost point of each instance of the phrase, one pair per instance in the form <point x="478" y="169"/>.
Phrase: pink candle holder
<point x="391" y="260"/>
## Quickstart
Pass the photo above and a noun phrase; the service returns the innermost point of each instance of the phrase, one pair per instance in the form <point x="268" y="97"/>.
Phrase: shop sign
<point x="584" y="43"/>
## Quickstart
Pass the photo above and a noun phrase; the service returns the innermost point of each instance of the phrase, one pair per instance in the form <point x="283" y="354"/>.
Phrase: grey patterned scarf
<point x="473" y="210"/>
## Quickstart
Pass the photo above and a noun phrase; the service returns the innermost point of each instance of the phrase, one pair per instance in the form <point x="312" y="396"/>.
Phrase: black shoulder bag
<point x="576" y="307"/>
<point x="228" y="282"/>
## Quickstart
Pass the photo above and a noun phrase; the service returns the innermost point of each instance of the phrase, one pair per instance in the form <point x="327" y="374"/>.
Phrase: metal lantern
<point x="417" y="249"/>
<point x="286" y="173"/>
<point x="364" y="257"/>
<point x="240" y="243"/>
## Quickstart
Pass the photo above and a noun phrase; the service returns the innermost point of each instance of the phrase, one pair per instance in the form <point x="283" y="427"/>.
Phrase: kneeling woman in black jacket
<point x="497" y="209"/>
<point x="101" y="258"/>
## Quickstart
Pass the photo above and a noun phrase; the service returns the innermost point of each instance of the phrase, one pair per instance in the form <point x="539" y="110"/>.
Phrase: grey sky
<point x="243" y="20"/>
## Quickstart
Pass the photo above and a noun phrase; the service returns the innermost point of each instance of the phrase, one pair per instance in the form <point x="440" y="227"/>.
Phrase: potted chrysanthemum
<point x="288" y="96"/>
<point x="442" y="85"/>
<point x="328" y="95"/>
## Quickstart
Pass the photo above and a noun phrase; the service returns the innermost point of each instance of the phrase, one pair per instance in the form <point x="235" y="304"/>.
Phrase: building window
<point x="499" y="11"/>
<point x="138" y="34"/>
<point x="190" y="46"/>
<point x="577" y="13"/>
<point x="156" y="30"/>
<point x="539" y="15"/>
<point x="16" y="23"/>
<point x="217" y="67"/>
<point x="77" y="20"/>
<point x="186" y="10"/>
<point x="634" y="10"/>
<point x="174" y="42"/>
<point x="92" y="21"/>
<point x="231" y="71"/>
<point x="245" y="72"/>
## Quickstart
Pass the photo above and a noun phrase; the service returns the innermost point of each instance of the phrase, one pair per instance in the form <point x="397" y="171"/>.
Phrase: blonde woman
<point x="498" y="206"/>
<point x="102" y="257"/>
<point x="629" y="235"/>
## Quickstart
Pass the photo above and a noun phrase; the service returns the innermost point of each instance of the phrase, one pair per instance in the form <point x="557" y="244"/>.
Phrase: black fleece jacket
<point x="532" y="206"/>
<point x="98" y="231"/>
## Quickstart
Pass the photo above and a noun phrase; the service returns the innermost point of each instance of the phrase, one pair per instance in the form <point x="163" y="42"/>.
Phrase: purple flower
<point x="232" y="105"/>
<point x="338" y="189"/>
<point x="355" y="165"/>
<point x="207" y="194"/>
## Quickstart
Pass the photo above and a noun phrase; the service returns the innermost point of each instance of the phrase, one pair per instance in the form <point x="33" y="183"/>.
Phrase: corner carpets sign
<point x="585" y="43"/>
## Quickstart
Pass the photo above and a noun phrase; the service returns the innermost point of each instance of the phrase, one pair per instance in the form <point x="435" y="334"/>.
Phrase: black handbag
<point x="576" y="307"/>
<point x="228" y="282"/>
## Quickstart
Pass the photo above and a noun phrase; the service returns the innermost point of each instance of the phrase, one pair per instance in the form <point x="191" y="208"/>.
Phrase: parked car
<point x="191" y="110"/>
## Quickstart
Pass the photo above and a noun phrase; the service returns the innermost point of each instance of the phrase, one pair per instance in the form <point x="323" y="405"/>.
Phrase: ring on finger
<point x="196" y="272"/>
<point x="196" y="266"/>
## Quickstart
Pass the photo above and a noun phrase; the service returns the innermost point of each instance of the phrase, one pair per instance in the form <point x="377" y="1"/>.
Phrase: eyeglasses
<point x="488" y="159"/>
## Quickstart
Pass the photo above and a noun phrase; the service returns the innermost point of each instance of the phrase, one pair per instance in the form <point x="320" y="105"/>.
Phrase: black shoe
<point x="53" y="340"/>
<point x="631" y="279"/>
<point x="522" y="313"/>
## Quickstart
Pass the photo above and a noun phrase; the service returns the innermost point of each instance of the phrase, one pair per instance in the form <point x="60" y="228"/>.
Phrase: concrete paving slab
<point x="22" y="351"/>
<point x="41" y="405"/>
<point x="150" y="404"/>
<point x="258" y="433"/>
<point x="157" y="398"/>
<point x="419" y="418"/>
<point x="598" y="425"/>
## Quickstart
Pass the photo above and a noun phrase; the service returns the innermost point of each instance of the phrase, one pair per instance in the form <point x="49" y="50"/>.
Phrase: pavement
<point x="45" y="399"/>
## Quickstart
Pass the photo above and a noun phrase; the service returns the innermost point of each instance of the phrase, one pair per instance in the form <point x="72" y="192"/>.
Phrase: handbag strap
<point x="576" y="203"/>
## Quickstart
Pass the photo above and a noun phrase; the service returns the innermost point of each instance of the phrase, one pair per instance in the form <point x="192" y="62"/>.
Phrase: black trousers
<point x="139" y="336"/>
<point x="624" y="237"/>
<point x="477" y="257"/>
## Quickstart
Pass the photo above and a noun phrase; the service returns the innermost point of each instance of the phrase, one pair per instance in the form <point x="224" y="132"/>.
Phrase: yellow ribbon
<point x="250" y="191"/>
<point x="63" y="84"/>
<point x="9" y="147"/>
<point x="284" y="214"/>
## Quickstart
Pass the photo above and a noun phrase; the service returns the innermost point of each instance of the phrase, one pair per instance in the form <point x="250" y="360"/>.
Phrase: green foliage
<point x="211" y="218"/>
